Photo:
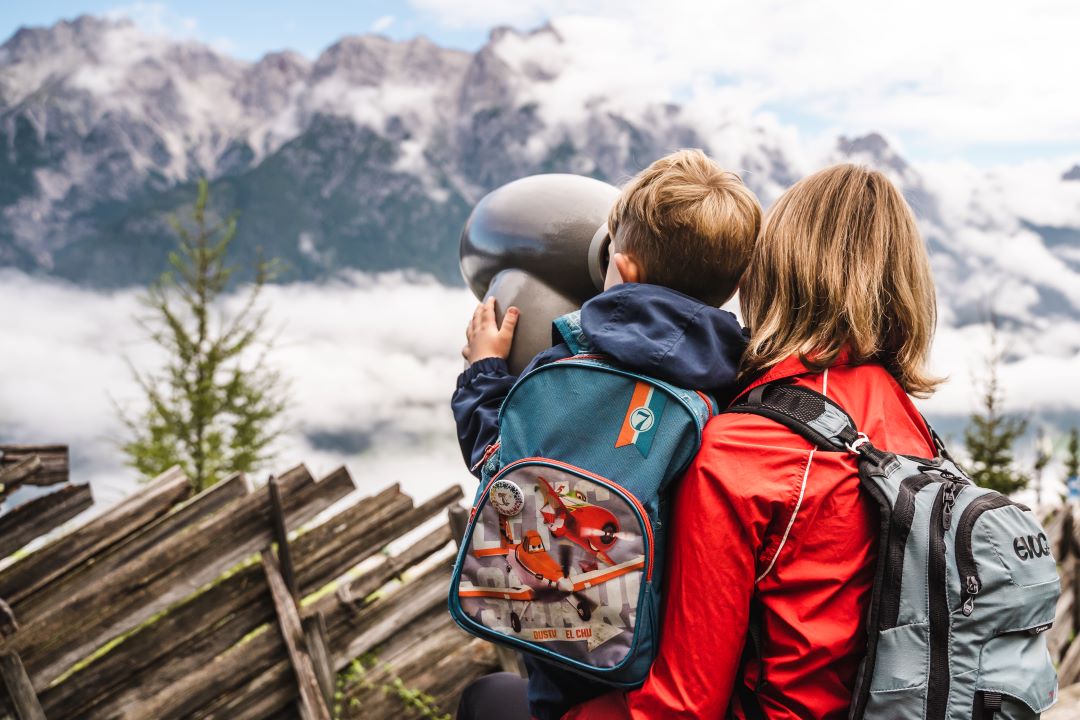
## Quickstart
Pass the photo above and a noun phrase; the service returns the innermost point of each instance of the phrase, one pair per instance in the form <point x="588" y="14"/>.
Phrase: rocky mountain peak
<point x="372" y="60"/>
<point x="874" y="150"/>
<point x="371" y="156"/>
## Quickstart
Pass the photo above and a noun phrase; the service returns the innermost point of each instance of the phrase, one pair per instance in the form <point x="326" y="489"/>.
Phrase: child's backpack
<point x="965" y="588"/>
<point x="563" y="554"/>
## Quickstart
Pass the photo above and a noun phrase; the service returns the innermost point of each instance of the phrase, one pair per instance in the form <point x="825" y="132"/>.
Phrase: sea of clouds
<point x="371" y="363"/>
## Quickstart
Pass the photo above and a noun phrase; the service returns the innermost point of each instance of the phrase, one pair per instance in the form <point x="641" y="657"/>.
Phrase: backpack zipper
<point x="488" y="452"/>
<point x="970" y="585"/>
<point x="589" y="361"/>
<point x="937" y="691"/>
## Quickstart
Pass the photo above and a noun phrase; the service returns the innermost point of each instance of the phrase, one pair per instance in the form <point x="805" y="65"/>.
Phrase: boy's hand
<point x="486" y="339"/>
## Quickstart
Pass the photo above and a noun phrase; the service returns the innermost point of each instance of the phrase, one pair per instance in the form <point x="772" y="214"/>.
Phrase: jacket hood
<point x="660" y="332"/>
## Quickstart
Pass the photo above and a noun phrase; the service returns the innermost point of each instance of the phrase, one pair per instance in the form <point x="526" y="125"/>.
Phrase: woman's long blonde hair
<point x="840" y="263"/>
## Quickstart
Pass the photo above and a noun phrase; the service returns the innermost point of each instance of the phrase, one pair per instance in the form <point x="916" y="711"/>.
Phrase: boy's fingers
<point x="509" y="322"/>
<point x="476" y="320"/>
<point x="465" y="351"/>
<point x="487" y="311"/>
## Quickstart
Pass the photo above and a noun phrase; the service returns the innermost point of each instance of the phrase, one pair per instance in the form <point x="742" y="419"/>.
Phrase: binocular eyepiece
<point x="539" y="243"/>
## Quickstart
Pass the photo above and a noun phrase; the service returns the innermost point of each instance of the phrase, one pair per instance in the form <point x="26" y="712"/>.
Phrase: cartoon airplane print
<point x="568" y="516"/>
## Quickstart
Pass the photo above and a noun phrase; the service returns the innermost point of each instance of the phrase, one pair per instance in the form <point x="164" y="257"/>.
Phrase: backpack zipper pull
<point x="488" y="452"/>
<point x="971" y="590"/>
<point x="948" y="500"/>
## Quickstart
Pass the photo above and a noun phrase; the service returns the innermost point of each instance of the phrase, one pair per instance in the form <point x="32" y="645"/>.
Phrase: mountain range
<point x="371" y="155"/>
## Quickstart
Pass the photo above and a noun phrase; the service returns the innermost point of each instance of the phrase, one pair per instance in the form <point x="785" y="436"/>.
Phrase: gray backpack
<point x="965" y="586"/>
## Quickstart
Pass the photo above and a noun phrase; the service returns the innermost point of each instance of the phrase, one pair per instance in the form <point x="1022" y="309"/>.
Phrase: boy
<point x="682" y="232"/>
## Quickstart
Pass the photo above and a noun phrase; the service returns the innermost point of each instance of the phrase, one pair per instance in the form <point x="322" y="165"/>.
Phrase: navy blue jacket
<point x="645" y="328"/>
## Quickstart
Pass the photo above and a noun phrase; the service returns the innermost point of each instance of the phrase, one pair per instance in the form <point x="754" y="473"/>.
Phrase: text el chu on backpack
<point x="965" y="587"/>
<point x="563" y="554"/>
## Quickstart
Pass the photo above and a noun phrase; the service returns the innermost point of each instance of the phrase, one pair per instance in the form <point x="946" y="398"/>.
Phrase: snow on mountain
<point x="371" y="155"/>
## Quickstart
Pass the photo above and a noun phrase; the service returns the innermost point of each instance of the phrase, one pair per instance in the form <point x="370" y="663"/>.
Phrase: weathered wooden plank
<point x="1059" y="635"/>
<point x="318" y="645"/>
<point x="49" y="596"/>
<point x="208" y="623"/>
<point x="291" y="630"/>
<point x="166" y="573"/>
<point x="281" y="538"/>
<point x="459" y="520"/>
<point x="263" y="696"/>
<point x="359" y="589"/>
<point x="223" y="675"/>
<point x="13" y="677"/>
<point x="353" y="634"/>
<point x="19" y="688"/>
<point x="13" y="476"/>
<point x="434" y="656"/>
<point x="54" y="462"/>
<point x="40" y="515"/>
<point x="22" y="579"/>
<point x="1069" y="670"/>
<point x="324" y="563"/>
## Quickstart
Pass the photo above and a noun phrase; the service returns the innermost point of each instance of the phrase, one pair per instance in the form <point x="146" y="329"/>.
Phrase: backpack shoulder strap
<point x="939" y="444"/>
<point x="803" y="411"/>
<point x="809" y="414"/>
<point x="567" y="329"/>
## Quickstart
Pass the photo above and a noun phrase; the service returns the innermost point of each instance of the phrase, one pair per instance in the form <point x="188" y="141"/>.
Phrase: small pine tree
<point x="1072" y="454"/>
<point x="215" y="407"/>
<point x="1044" y="453"/>
<point x="991" y="434"/>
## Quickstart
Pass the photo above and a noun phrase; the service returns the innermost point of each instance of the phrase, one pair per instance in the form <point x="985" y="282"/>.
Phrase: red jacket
<point x="760" y="511"/>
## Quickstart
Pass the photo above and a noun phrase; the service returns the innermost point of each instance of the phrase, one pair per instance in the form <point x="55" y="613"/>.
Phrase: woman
<point x="838" y="298"/>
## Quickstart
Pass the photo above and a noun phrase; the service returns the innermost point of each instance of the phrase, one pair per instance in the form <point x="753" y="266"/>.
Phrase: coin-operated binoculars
<point x="539" y="243"/>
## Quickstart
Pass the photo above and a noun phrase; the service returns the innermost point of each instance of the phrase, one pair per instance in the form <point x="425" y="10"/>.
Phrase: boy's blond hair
<point x="689" y="223"/>
<point x="840" y="264"/>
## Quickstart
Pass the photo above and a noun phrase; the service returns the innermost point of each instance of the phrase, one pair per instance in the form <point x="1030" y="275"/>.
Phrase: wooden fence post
<point x="318" y="645"/>
<point x="314" y="704"/>
<point x="17" y="682"/>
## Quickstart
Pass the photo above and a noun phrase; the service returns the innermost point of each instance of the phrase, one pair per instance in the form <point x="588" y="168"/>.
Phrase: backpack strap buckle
<point x="860" y="440"/>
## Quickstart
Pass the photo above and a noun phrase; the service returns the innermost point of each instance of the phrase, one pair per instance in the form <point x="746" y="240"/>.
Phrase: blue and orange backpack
<point x="563" y="554"/>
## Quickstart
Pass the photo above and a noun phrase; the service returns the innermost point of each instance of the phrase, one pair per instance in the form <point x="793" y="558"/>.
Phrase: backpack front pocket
<point x="558" y="561"/>
<point x="1015" y="670"/>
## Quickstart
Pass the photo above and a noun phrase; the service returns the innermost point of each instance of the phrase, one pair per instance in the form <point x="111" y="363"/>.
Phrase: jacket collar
<point x="792" y="366"/>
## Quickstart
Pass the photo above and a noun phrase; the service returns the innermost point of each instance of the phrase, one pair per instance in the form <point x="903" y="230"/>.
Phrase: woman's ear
<point x="630" y="270"/>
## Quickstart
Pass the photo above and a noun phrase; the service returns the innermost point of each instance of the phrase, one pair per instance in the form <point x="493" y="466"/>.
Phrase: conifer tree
<point x="991" y="434"/>
<point x="215" y="407"/>
<point x="1072" y="455"/>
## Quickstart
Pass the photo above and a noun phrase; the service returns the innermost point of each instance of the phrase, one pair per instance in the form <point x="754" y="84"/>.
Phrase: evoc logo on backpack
<point x="1031" y="546"/>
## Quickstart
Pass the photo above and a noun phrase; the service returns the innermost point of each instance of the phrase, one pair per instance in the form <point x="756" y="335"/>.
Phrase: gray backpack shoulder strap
<point x="805" y="412"/>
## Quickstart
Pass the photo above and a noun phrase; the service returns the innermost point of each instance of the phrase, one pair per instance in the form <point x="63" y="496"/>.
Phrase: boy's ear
<point x="630" y="270"/>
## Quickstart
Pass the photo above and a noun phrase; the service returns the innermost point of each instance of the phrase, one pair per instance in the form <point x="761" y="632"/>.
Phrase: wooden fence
<point x="173" y="605"/>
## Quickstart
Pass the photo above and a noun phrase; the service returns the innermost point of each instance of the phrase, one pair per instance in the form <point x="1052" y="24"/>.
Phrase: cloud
<point x="371" y="363"/>
<point x="382" y="24"/>
<point x="157" y="18"/>
<point x="962" y="73"/>
<point x="366" y="358"/>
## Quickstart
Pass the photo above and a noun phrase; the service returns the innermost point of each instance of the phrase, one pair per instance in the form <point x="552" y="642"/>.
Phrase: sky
<point x="987" y="82"/>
